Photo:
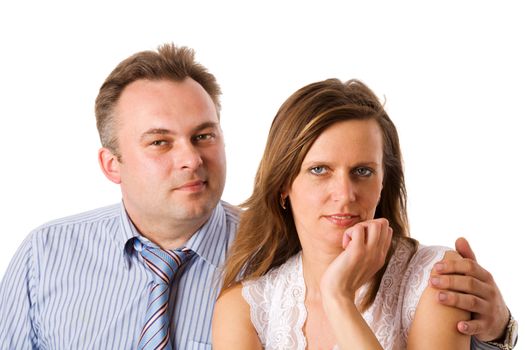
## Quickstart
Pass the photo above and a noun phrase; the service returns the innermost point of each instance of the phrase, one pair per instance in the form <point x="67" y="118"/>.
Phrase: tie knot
<point x="163" y="263"/>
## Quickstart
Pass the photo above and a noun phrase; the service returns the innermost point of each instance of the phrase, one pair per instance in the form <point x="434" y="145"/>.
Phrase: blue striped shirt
<point x="77" y="283"/>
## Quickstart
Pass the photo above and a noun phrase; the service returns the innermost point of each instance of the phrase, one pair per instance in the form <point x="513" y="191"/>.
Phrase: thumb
<point x="347" y="237"/>
<point x="464" y="249"/>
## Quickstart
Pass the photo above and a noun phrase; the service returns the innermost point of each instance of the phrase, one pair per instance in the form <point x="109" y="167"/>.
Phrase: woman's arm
<point x="434" y="325"/>
<point x="232" y="327"/>
<point x="365" y="248"/>
<point x="350" y="329"/>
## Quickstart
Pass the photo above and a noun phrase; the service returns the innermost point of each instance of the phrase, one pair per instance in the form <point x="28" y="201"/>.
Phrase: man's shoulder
<point x="88" y="217"/>
<point x="232" y="211"/>
<point x="51" y="238"/>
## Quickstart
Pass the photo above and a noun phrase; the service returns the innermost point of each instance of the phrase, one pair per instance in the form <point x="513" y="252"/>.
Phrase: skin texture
<point x="333" y="200"/>
<point x="232" y="327"/>
<point x="173" y="166"/>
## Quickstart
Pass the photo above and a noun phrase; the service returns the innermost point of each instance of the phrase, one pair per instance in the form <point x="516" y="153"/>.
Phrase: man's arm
<point x="466" y="285"/>
<point x="16" y="292"/>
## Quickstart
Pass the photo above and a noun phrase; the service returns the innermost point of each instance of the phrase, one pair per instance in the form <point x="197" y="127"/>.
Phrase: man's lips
<point x="192" y="186"/>
<point x="342" y="219"/>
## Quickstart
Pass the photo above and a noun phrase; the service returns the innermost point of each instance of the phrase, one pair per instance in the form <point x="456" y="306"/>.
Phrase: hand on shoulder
<point x="434" y="325"/>
<point x="464" y="284"/>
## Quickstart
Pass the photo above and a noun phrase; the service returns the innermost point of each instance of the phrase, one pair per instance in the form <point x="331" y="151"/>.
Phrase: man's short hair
<point x="168" y="62"/>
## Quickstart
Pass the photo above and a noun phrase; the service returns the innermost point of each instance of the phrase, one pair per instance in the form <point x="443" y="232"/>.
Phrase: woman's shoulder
<point x="415" y="266"/>
<point x="428" y="313"/>
<point x="426" y="255"/>
<point x="232" y="322"/>
<point x="231" y="299"/>
<point x="278" y="275"/>
<point x="420" y="265"/>
<point x="272" y="296"/>
<point x="275" y="284"/>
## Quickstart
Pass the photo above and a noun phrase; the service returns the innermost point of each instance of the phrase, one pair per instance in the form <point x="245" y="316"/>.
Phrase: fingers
<point x="463" y="266"/>
<point x="380" y="240"/>
<point x="464" y="249"/>
<point x="358" y="235"/>
<point x="467" y="302"/>
<point x="347" y="237"/>
<point x="373" y="239"/>
<point x="472" y="327"/>
<point x="369" y="236"/>
<point x="388" y="241"/>
<point x="463" y="284"/>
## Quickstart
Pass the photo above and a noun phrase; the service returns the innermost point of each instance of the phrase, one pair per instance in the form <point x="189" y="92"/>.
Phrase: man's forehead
<point x="156" y="107"/>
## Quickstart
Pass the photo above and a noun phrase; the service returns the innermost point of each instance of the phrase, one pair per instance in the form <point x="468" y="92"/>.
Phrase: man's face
<point x="173" y="164"/>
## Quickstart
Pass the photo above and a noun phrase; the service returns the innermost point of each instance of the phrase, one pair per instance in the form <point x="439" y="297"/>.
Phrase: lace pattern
<point x="277" y="305"/>
<point x="278" y="312"/>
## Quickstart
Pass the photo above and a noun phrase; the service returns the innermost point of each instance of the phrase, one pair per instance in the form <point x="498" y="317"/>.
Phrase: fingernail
<point x="463" y="326"/>
<point x="439" y="267"/>
<point x="442" y="296"/>
<point x="435" y="281"/>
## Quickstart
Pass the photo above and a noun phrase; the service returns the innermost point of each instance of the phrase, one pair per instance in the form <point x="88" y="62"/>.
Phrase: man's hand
<point x="468" y="286"/>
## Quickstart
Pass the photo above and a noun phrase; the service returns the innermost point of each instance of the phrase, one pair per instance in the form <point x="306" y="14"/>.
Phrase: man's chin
<point x="194" y="211"/>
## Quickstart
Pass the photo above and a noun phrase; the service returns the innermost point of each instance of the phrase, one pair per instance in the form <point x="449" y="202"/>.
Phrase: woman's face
<point x="339" y="183"/>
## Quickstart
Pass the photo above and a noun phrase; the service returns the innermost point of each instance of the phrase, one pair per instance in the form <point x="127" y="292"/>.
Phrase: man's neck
<point x="167" y="235"/>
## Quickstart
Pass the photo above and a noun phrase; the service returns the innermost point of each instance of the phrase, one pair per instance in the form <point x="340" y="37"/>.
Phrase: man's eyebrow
<point x="163" y="131"/>
<point x="206" y="125"/>
<point x="156" y="131"/>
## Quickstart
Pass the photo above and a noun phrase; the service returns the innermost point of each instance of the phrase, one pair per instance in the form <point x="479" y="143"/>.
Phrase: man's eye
<point x="159" y="143"/>
<point x="203" y="137"/>
<point x="363" y="172"/>
<point x="318" y="170"/>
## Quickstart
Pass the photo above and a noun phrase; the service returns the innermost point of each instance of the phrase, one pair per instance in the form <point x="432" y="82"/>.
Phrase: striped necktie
<point x="164" y="265"/>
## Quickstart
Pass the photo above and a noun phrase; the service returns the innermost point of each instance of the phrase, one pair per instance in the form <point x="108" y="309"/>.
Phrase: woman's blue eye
<point x="363" y="172"/>
<point x="318" y="170"/>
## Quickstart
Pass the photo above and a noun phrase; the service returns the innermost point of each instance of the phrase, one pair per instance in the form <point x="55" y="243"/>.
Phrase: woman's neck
<point x="315" y="262"/>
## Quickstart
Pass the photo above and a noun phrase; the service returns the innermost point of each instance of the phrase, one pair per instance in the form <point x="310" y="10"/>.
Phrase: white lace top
<point x="278" y="312"/>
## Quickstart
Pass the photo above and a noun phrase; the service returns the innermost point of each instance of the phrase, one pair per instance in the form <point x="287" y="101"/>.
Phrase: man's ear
<point x="109" y="164"/>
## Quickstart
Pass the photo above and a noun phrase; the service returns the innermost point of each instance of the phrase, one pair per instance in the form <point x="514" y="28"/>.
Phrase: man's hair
<point x="169" y="62"/>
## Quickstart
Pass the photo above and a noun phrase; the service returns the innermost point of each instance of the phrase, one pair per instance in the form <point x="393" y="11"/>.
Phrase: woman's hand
<point x="365" y="248"/>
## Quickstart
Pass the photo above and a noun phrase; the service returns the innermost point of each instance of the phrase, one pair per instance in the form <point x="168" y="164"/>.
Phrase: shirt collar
<point x="209" y="242"/>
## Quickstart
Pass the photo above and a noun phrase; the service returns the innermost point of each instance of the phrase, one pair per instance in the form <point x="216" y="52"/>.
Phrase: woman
<point x="323" y="251"/>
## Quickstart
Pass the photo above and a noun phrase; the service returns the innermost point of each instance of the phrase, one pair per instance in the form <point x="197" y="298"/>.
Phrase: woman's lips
<point x="342" y="220"/>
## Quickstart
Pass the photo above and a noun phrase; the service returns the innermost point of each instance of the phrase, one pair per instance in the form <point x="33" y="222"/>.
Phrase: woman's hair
<point x="267" y="236"/>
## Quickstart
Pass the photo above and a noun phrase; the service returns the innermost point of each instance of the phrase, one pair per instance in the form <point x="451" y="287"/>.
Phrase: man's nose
<point x="188" y="156"/>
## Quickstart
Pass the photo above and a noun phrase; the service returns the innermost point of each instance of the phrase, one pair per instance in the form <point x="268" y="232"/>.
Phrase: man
<point x="146" y="272"/>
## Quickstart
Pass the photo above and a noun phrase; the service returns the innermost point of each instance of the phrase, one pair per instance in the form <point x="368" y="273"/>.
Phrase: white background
<point x="452" y="73"/>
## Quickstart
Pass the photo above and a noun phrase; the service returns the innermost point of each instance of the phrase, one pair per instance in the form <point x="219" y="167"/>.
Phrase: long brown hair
<point x="267" y="236"/>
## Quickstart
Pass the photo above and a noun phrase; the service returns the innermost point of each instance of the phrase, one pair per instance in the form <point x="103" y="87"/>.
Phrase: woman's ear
<point x="282" y="200"/>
